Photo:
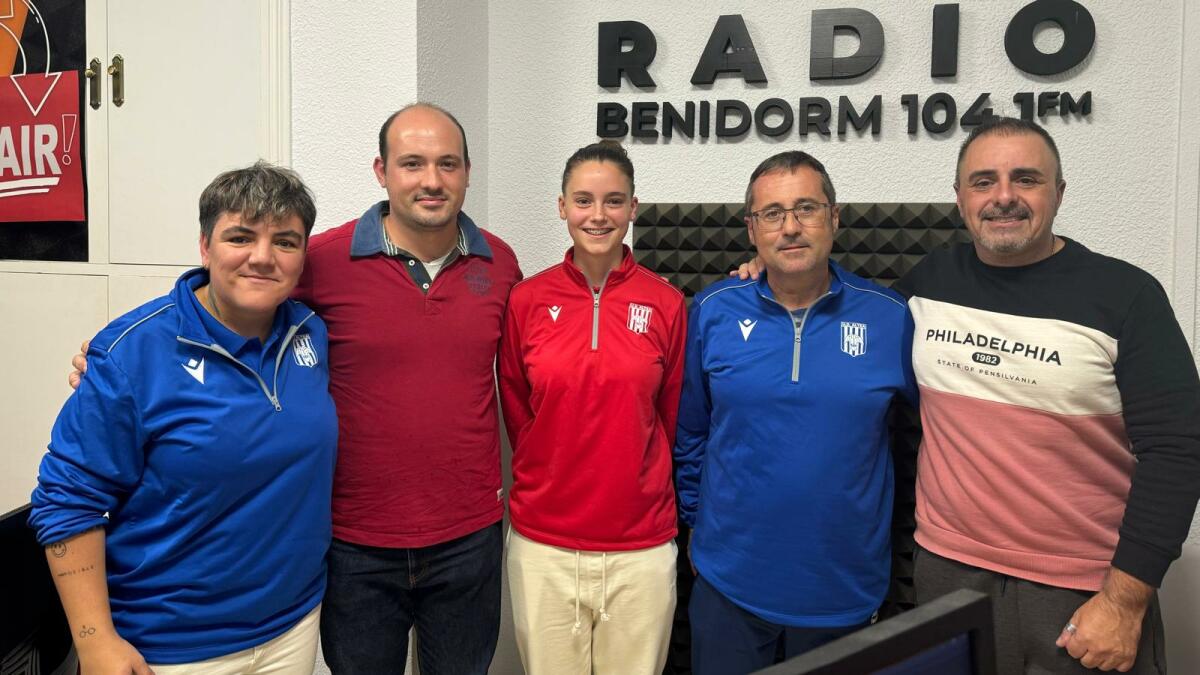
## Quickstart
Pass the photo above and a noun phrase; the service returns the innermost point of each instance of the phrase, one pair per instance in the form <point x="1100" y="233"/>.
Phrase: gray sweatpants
<point x="1029" y="617"/>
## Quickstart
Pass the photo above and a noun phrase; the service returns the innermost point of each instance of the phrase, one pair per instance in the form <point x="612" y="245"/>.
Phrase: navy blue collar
<point x="368" y="234"/>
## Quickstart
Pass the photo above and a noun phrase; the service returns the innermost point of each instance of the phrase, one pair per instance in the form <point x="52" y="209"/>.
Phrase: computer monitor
<point x="952" y="635"/>
<point x="34" y="637"/>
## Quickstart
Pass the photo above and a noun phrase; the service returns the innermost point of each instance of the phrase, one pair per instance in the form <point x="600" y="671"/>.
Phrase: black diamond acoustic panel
<point x="694" y="245"/>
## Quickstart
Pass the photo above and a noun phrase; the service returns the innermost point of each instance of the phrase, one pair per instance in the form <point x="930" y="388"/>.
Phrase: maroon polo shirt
<point x="412" y="374"/>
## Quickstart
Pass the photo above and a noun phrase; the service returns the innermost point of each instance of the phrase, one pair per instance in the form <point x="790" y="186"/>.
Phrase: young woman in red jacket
<point x="591" y="362"/>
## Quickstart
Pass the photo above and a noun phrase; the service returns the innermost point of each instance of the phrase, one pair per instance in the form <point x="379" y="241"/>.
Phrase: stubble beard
<point x="431" y="223"/>
<point x="415" y="219"/>
<point x="1000" y="244"/>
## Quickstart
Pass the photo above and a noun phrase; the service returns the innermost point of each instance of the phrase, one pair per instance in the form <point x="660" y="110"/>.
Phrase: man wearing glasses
<point x="783" y="467"/>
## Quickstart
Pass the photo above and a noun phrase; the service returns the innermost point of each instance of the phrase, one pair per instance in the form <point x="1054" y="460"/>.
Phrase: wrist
<point x="1125" y="591"/>
<point x="89" y="638"/>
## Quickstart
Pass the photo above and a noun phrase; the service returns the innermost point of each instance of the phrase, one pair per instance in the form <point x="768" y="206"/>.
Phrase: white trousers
<point x="585" y="612"/>
<point x="292" y="653"/>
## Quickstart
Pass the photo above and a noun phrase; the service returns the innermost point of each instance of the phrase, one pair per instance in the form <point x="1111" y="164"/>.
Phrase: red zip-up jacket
<point x="589" y="382"/>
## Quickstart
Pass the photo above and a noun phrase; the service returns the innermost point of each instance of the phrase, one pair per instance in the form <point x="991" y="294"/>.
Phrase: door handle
<point x="93" y="75"/>
<point x="117" y="70"/>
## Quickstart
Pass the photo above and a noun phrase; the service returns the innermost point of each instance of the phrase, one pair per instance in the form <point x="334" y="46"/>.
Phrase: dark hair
<point x="1008" y="126"/>
<point x="789" y="161"/>
<point x="421" y="104"/>
<point x="604" y="151"/>
<point x="261" y="190"/>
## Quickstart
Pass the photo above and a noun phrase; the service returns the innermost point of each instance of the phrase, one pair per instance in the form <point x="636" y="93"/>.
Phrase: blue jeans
<point x="449" y="591"/>
<point x="728" y="640"/>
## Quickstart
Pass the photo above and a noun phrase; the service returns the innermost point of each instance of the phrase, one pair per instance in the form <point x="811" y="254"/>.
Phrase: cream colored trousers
<point x="292" y="653"/>
<point x="585" y="612"/>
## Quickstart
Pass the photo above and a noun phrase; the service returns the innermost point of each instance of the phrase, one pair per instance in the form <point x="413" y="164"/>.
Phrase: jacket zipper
<point x="798" y="332"/>
<point x="596" y="312"/>
<point x="272" y="396"/>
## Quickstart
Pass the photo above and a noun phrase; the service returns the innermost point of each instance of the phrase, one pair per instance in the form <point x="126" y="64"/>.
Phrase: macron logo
<point x="746" y="325"/>
<point x="554" y="313"/>
<point x="195" y="369"/>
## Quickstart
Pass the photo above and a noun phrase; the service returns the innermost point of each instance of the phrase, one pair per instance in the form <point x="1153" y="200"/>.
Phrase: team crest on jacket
<point x="854" y="338"/>
<point x="303" y="352"/>
<point x="639" y="318"/>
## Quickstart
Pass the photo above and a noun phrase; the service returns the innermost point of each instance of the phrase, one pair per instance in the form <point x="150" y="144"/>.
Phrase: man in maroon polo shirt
<point x="413" y="293"/>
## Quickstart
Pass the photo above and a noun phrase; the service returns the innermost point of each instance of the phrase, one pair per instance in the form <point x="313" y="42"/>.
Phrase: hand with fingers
<point x="1104" y="632"/>
<point x="749" y="269"/>
<point x="79" y="363"/>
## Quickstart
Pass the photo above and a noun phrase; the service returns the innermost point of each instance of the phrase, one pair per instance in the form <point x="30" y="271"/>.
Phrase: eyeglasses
<point x="806" y="214"/>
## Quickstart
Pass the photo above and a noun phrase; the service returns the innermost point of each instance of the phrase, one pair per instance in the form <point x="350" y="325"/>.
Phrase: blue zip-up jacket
<point x="212" y="455"/>
<point x="782" y="462"/>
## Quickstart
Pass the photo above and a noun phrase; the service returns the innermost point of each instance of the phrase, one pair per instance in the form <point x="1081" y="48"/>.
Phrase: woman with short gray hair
<point x="185" y="499"/>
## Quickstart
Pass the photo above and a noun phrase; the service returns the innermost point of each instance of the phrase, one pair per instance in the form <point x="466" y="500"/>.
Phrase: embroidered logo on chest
<point x="478" y="280"/>
<point x="195" y="369"/>
<point x="746" y="325"/>
<point x="303" y="352"/>
<point x="854" y="338"/>
<point x="639" y="318"/>
<point x="554" y="312"/>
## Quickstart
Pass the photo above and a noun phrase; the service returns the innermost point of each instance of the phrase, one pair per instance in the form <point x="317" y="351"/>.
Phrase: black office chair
<point x="34" y="636"/>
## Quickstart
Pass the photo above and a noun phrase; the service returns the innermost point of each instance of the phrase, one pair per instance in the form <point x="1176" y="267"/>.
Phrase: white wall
<point x="353" y="64"/>
<point x="1181" y="589"/>
<point x="452" y="71"/>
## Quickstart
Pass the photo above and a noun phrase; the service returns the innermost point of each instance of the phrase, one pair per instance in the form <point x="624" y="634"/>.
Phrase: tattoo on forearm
<point x="86" y="631"/>
<point x="58" y="549"/>
<point x="71" y="573"/>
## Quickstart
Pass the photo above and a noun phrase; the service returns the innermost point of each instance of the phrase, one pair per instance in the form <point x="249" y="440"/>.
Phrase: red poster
<point x="41" y="175"/>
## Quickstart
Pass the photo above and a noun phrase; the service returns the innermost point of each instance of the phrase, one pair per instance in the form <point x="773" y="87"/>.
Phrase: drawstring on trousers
<point x="603" y="586"/>
<point x="578" y="624"/>
<point x="604" y="615"/>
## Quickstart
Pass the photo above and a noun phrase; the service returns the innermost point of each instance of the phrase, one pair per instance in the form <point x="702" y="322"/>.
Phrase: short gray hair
<point x="789" y="161"/>
<point x="1009" y="126"/>
<point x="261" y="190"/>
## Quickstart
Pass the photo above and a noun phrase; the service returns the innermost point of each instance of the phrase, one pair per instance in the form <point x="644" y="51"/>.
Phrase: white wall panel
<point x="127" y="293"/>
<point x="46" y="316"/>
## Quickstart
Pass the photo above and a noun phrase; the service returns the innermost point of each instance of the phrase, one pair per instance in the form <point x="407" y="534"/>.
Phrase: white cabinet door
<point x="128" y="293"/>
<point x="199" y="81"/>
<point x="46" y="316"/>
